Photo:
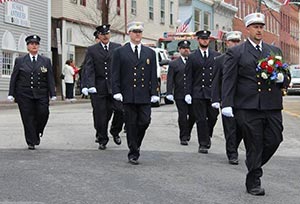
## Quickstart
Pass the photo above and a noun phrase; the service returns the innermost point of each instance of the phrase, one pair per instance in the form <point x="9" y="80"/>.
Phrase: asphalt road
<point x="68" y="168"/>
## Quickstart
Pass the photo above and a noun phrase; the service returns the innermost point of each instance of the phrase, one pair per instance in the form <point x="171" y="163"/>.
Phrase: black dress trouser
<point x="186" y="119"/>
<point x="262" y="132"/>
<point x="34" y="114"/>
<point x="102" y="110"/>
<point x="118" y="118"/>
<point x="137" y="119"/>
<point x="233" y="136"/>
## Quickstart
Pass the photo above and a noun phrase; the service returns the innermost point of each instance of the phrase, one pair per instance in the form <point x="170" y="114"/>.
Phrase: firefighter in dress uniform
<point x="97" y="83"/>
<point x="31" y="85"/>
<point x="199" y="73"/>
<point x="232" y="136"/>
<point x="134" y="82"/>
<point x="176" y="85"/>
<point x="257" y="102"/>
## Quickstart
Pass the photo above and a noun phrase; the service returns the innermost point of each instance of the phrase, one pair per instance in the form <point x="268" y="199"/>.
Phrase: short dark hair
<point x="69" y="61"/>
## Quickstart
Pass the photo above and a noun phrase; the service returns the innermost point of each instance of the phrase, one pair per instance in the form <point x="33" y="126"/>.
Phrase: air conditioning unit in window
<point x="73" y="1"/>
<point x="162" y="20"/>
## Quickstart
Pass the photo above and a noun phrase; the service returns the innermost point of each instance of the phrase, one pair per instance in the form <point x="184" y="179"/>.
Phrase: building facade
<point x="18" y="19"/>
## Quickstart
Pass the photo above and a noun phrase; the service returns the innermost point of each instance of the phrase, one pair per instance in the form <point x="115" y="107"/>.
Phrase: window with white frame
<point x="206" y="21"/>
<point x="151" y="10"/>
<point x="171" y="13"/>
<point x="133" y="7"/>
<point x="197" y="19"/>
<point x="162" y="11"/>
<point x="7" y="63"/>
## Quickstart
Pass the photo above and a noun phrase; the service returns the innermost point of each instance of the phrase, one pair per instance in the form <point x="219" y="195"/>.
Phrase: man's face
<point x="136" y="36"/>
<point x="184" y="52"/>
<point x="104" y="38"/>
<point x="203" y="42"/>
<point x="233" y="42"/>
<point x="33" y="47"/>
<point x="256" y="32"/>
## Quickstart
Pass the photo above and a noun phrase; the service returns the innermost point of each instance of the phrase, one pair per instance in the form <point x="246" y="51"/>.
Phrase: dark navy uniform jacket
<point x="135" y="79"/>
<point x="97" y="68"/>
<point x="34" y="81"/>
<point x="176" y="79"/>
<point x="200" y="73"/>
<point x="217" y="79"/>
<point x="243" y="87"/>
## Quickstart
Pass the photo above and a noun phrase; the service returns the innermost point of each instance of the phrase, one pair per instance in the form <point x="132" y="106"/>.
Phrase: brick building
<point x="282" y="24"/>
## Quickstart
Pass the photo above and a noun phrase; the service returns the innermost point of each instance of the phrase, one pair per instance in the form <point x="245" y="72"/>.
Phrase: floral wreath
<point x="272" y="67"/>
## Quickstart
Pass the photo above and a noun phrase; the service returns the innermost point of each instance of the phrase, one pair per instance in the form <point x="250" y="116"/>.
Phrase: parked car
<point x="294" y="86"/>
<point x="162" y="61"/>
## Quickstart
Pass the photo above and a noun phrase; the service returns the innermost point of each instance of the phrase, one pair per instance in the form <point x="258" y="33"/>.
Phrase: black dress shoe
<point x="102" y="146"/>
<point x="31" y="147"/>
<point x="133" y="161"/>
<point x="117" y="139"/>
<point x="203" y="150"/>
<point x="183" y="142"/>
<point x="256" y="191"/>
<point x="233" y="161"/>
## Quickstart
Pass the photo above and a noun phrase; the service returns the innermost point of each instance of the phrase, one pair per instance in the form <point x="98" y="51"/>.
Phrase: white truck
<point x="294" y="86"/>
<point x="162" y="61"/>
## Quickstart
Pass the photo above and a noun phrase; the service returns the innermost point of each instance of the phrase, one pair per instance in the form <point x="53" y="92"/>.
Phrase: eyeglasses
<point x="136" y="31"/>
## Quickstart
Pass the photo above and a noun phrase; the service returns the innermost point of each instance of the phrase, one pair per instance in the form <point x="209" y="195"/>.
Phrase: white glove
<point x="85" y="91"/>
<point x="92" y="90"/>
<point x="10" y="98"/>
<point x="227" y="111"/>
<point x="215" y="105"/>
<point x="154" y="99"/>
<point x="53" y="98"/>
<point x="188" y="99"/>
<point x="118" y="97"/>
<point x="279" y="78"/>
<point x="170" y="97"/>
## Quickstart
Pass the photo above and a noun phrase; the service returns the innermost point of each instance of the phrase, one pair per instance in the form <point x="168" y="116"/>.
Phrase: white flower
<point x="278" y="57"/>
<point x="264" y="75"/>
<point x="270" y="62"/>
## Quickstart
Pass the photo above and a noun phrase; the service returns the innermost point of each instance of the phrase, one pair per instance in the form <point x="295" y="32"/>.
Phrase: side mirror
<point x="164" y="62"/>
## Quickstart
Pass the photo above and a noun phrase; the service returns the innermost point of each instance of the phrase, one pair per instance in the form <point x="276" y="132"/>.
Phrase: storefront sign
<point x="17" y="14"/>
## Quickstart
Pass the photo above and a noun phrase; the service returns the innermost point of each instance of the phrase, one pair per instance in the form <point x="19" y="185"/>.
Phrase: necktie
<point x="105" y="48"/>
<point x="136" y="52"/>
<point x="33" y="62"/>
<point x="204" y="55"/>
<point x="258" y="48"/>
<point x="185" y="60"/>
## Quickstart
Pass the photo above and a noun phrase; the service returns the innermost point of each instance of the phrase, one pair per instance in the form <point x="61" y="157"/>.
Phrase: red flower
<point x="279" y="63"/>
<point x="270" y="69"/>
<point x="264" y="65"/>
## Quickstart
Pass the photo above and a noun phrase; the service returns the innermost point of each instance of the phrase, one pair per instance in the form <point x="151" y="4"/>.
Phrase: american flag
<point x="3" y="1"/>
<point x="183" y="27"/>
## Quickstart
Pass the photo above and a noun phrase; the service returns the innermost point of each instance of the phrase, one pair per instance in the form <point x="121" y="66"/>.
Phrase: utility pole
<point x="259" y="6"/>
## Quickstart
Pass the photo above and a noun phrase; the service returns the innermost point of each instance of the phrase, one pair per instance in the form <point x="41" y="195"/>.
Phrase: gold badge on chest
<point x="44" y="69"/>
<point x="148" y="61"/>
